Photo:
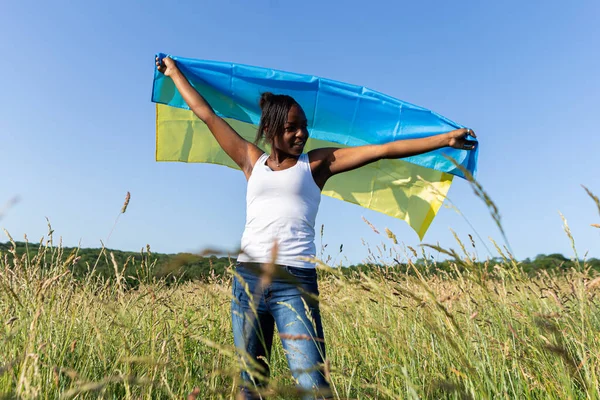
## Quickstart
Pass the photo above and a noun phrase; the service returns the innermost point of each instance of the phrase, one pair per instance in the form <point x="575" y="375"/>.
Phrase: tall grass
<point x="470" y="333"/>
<point x="466" y="334"/>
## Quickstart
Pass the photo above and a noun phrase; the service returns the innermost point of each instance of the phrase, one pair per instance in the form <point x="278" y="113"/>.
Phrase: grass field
<point x="479" y="330"/>
<point x="473" y="333"/>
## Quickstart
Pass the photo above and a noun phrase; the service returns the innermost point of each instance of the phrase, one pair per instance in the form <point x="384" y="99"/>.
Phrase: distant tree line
<point x="135" y="267"/>
<point x="132" y="266"/>
<point x="549" y="262"/>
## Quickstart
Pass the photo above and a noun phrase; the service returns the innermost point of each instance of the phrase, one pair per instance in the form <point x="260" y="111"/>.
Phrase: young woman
<point x="283" y="196"/>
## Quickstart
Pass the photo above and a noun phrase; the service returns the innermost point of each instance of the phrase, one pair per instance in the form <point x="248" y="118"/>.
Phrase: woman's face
<point x="295" y="133"/>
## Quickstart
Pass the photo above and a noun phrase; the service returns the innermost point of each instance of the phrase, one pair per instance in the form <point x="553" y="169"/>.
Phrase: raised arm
<point x="242" y="152"/>
<point x="326" y="162"/>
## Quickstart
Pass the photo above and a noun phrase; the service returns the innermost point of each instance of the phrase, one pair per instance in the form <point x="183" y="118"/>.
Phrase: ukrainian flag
<point x="339" y="115"/>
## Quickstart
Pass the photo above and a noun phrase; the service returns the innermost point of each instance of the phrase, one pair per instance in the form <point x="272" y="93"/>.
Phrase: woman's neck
<point x="279" y="157"/>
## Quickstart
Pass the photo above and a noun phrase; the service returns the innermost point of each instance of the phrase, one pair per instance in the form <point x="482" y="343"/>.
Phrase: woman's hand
<point x="243" y="153"/>
<point x="167" y="66"/>
<point x="458" y="139"/>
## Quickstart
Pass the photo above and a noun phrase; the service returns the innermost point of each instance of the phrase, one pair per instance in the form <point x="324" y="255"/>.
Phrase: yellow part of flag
<point x="394" y="187"/>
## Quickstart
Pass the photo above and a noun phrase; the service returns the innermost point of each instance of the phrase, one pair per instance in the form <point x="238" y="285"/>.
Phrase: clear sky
<point x="77" y="127"/>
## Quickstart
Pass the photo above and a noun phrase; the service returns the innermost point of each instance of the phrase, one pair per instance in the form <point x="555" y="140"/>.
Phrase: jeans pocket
<point x="302" y="273"/>
<point x="238" y="290"/>
<point x="304" y="279"/>
<point x="235" y="290"/>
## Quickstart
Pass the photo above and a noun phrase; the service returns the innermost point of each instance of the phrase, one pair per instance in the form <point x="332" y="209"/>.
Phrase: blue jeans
<point x="290" y="300"/>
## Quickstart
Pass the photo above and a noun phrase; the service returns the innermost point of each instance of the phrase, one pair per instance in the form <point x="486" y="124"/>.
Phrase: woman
<point x="283" y="196"/>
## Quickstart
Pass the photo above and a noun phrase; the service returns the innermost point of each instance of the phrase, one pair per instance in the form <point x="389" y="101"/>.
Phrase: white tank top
<point x="281" y="206"/>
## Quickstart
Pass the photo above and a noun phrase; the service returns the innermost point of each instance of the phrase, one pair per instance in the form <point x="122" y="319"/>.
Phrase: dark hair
<point x="275" y="108"/>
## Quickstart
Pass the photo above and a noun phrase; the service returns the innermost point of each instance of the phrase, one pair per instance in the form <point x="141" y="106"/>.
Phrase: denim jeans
<point x="290" y="300"/>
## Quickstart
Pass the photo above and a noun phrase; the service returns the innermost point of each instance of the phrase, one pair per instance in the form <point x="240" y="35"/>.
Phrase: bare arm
<point x="327" y="162"/>
<point x="242" y="152"/>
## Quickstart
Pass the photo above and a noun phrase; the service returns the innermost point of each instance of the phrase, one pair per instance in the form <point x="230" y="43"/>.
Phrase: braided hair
<point x="275" y="108"/>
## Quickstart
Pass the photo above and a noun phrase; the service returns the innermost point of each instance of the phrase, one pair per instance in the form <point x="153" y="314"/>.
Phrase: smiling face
<point x="295" y="133"/>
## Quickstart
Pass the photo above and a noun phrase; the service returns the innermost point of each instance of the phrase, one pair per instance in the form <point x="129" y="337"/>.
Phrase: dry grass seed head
<point x="126" y="203"/>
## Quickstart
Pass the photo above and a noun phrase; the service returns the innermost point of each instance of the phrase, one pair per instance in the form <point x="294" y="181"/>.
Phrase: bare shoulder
<point x="254" y="153"/>
<point x="320" y="157"/>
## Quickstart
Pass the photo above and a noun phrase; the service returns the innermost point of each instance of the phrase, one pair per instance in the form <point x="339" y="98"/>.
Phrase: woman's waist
<point x="282" y="229"/>
<point x="275" y="272"/>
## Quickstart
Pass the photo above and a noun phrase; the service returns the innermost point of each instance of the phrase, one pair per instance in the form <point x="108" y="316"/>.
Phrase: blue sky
<point x="77" y="125"/>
